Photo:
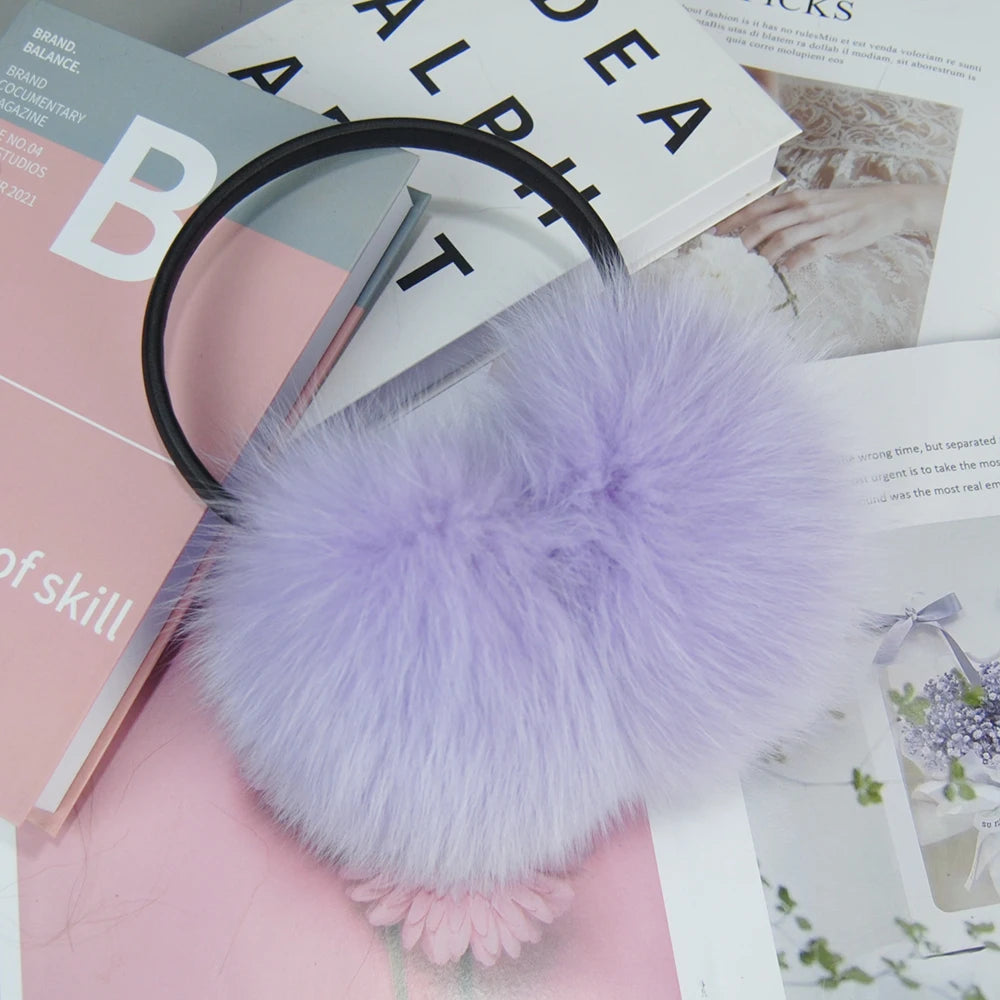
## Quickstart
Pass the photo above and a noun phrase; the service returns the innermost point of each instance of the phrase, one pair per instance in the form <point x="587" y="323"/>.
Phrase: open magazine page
<point x="719" y="929"/>
<point x="879" y="836"/>
<point x="883" y="235"/>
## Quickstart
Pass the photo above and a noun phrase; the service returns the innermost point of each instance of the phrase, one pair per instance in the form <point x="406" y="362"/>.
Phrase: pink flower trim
<point x="447" y="925"/>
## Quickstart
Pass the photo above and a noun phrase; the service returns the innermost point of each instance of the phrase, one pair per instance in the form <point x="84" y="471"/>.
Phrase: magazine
<point x="102" y="152"/>
<point x="883" y="234"/>
<point x="879" y="836"/>
<point x="631" y="101"/>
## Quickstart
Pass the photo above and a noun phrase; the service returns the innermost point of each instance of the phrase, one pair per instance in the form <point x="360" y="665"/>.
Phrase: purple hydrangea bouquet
<point x="950" y="730"/>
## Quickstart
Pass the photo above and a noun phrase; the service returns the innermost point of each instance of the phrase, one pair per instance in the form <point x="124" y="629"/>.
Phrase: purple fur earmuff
<point x="452" y="650"/>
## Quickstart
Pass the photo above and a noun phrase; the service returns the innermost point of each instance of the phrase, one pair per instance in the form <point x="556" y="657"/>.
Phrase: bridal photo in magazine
<point x="845" y="245"/>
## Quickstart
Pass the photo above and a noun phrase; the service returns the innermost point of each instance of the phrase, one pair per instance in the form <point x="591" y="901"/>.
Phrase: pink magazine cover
<point x="102" y="151"/>
<point x="171" y="881"/>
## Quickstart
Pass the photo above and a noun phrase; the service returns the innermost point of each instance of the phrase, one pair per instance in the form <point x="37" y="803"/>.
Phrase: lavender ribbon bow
<point x="933" y="614"/>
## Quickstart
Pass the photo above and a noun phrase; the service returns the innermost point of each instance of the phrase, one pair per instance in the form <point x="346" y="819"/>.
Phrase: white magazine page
<point x="711" y="886"/>
<point x="894" y="170"/>
<point x="10" y="935"/>
<point x="879" y="838"/>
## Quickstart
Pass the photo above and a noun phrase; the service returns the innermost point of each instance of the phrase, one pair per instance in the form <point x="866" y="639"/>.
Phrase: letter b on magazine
<point x="115" y="186"/>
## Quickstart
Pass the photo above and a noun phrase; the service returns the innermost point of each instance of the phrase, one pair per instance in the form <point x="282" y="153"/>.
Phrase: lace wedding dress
<point x="870" y="299"/>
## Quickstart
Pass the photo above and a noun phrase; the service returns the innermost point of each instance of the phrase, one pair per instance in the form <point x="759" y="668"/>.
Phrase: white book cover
<point x="637" y="105"/>
<point x="893" y="170"/>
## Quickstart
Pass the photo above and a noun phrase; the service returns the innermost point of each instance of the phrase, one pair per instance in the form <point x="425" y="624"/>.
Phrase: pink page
<point x="170" y="881"/>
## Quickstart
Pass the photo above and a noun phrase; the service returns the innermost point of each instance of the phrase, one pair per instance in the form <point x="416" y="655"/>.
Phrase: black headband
<point x="376" y="133"/>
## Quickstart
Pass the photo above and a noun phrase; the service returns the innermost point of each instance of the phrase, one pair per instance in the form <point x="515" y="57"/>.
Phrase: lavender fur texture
<point x="455" y="649"/>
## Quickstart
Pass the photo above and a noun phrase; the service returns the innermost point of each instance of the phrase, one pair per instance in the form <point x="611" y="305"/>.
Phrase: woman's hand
<point x="798" y="227"/>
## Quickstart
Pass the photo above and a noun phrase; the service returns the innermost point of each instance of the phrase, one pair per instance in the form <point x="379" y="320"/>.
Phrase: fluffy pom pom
<point x="454" y="650"/>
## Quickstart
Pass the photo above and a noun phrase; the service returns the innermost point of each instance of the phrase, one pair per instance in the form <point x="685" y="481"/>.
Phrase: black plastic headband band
<point x="375" y="133"/>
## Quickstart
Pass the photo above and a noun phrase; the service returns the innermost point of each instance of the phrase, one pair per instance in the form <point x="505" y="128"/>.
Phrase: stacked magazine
<point x="102" y="154"/>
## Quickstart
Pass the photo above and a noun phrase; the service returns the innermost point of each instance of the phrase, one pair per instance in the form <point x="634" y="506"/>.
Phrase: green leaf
<point x="966" y="791"/>
<point x="804" y="925"/>
<point x="910" y="706"/>
<point x="828" y="960"/>
<point x="974" y="697"/>
<point x="873" y="797"/>
<point x="811" y="954"/>
<point x="869" y="790"/>
<point x="949" y="792"/>
<point x="785" y="902"/>
<point x="914" y="931"/>
<point x="856" y="975"/>
<point x="956" y="771"/>
<point x="782" y="961"/>
<point x="898" y="968"/>
<point x="977" y="930"/>
<point x="808" y="954"/>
